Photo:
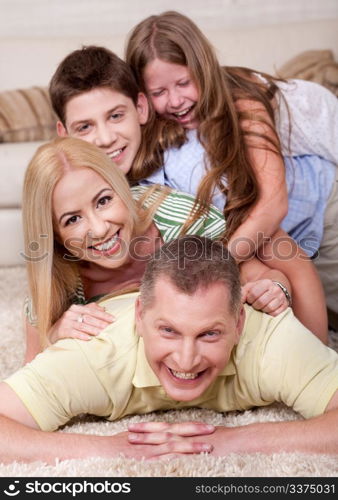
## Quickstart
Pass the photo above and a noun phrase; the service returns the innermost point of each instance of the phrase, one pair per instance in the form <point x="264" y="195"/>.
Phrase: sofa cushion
<point x="12" y="245"/>
<point x="14" y="159"/>
<point x="315" y="65"/>
<point x="26" y="115"/>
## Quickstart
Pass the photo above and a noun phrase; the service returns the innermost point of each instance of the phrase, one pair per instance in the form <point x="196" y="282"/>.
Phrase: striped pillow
<point x="26" y="115"/>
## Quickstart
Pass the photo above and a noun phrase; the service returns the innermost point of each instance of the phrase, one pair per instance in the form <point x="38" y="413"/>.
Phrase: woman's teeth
<point x="107" y="245"/>
<point x="184" y="375"/>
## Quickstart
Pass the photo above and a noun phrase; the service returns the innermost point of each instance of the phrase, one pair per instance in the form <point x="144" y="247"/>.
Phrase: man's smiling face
<point x="188" y="339"/>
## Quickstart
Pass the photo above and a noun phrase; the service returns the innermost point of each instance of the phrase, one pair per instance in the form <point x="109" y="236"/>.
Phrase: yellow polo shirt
<point x="277" y="359"/>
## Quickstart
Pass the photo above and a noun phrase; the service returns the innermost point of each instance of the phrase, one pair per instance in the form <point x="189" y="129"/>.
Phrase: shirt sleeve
<point x="297" y="369"/>
<point x="156" y="177"/>
<point x="60" y="384"/>
<point x="177" y="208"/>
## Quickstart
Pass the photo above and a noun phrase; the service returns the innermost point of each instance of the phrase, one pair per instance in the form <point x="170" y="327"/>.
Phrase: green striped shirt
<point x="176" y="209"/>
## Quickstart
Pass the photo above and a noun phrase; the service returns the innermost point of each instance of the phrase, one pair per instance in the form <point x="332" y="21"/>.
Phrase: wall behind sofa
<point x="36" y="34"/>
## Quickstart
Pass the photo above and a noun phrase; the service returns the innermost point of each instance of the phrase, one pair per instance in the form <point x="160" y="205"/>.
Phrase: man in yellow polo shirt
<point x="185" y="341"/>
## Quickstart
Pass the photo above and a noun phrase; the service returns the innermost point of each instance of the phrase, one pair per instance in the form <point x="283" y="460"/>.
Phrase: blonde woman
<point x="88" y="234"/>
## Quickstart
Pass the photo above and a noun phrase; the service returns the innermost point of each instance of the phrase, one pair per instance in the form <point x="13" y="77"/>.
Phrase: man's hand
<point x="164" y="440"/>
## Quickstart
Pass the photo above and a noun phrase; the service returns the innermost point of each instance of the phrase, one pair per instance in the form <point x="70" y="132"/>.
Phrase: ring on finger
<point x="80" y="318"/>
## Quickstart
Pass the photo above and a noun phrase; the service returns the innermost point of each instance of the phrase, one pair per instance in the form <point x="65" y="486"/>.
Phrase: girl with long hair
<point x="241" y="127"/>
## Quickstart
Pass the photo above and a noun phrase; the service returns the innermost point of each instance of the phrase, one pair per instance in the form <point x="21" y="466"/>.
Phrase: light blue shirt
<point x="309" y="180"/>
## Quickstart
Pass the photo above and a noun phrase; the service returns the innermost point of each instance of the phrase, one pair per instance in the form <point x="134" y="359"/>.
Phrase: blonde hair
<point x="53" y="278"/>
<point x="174" y="38"/>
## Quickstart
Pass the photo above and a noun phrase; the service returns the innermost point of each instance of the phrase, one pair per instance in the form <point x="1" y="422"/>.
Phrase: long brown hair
<point x="174" y="38"/>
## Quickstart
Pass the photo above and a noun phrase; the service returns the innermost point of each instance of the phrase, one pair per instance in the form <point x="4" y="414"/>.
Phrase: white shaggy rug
<point x="12" y="292"/>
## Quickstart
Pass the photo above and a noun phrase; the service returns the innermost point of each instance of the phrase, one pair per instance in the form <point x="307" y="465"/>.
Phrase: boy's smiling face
<point x="108" y="119"/>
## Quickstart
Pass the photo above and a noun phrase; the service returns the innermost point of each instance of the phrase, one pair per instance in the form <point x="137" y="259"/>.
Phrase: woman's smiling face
<point x="90" y="219"/>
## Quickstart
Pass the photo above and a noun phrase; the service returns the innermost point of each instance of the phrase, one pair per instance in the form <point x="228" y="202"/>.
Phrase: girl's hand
<point x="265" y="295"/>
<point x="81" y="322"/>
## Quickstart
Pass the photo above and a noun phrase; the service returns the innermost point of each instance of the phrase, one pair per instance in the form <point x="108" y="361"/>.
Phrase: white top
<point x="310" y="154"/>
<point x="314" y="120"/>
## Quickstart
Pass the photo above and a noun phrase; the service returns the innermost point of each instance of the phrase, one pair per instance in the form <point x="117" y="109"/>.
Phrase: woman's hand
<point x="80" y="322"/>
<point x="265" y="295"/>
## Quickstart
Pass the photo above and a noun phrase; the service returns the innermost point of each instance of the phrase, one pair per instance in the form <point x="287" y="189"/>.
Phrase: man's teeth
<point x="185" y="375"/>
<point x="116" y="153"/>
<point x="107" y="245"/>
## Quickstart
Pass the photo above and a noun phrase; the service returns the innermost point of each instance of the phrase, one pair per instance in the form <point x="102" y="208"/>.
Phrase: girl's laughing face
<point x="172" y="91"/>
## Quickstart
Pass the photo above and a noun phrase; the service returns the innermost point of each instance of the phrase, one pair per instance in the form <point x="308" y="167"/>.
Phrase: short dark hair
<point x="191" y="262"/>
<point x="86" y="69"/>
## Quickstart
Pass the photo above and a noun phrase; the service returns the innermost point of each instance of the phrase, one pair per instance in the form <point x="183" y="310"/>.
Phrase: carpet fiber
<point x="12" y="292"/>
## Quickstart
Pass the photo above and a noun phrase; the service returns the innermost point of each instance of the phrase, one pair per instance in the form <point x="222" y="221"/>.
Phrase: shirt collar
<point x="144" y="375"/>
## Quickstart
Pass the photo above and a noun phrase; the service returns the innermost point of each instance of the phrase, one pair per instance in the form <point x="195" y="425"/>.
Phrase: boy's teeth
<point x="107" y="245"/>
<point x="185" y="375"/>
<point x="116" y="153"/>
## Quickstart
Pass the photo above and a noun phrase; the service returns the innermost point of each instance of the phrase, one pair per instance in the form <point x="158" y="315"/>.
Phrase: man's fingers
<point x="149" y="426"/>
<point x="191" y="428"/>
<point x="183" y="446"/>
<point x="174" y="449"/>
<point x="154" y="437"/>
<point x="180" y="429"/>
<point x="163" y="458"/>
<point x="150" y="437"/>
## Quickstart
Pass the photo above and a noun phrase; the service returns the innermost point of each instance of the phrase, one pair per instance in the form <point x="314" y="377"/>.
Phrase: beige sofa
<point x="26" y="119"/>
<point x="14" y="158"/>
